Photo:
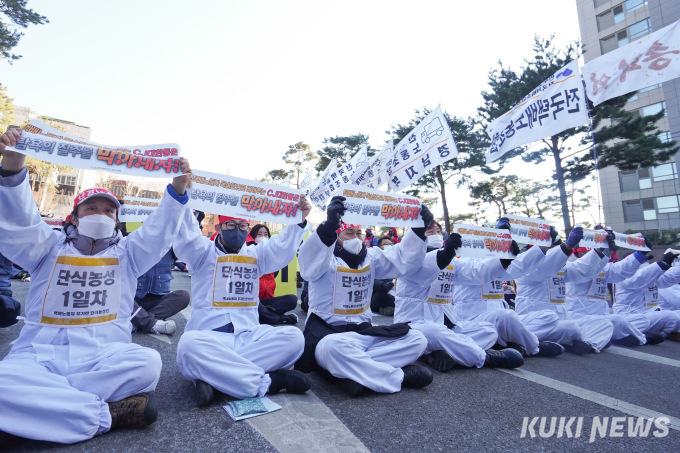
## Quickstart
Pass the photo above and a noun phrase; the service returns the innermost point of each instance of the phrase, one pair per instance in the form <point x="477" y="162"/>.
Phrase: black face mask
<point x="234" y="239"/>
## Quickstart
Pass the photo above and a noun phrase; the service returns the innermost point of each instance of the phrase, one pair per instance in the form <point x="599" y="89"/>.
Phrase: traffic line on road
<point x="642" y="356"/>
<point x="305" y="424"/>
<point x="594" y="397"/>
<point x="186" y="312"/>
<point x="163" y="338"/>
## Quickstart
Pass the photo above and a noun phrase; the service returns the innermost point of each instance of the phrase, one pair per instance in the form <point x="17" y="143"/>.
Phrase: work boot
<point x="164" y="327"/>
<point x="439" y="360"/>
<point x="136" y="411"/>
<point x="416" y="376"/>
<point x="628" y="341"/>
<point x="578" y="347"/>
<point x="289" y="319"/>
<point x="517" y="347"/>
<point x="292" y="381"/>
<point x="654" y="338"/>
<point x="675" y="336"/>
<point x="506" y="358"/>
<point x="350" y="387"/>
<point x="386" y="311"/>
<point x="204" y="393"/>
<point x="549" y="349"/>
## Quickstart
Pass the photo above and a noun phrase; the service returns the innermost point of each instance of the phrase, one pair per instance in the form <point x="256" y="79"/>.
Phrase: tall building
<point x="643" y="200"/>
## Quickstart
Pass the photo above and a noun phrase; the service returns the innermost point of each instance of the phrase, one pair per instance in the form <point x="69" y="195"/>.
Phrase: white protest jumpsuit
<point x="57" y="379"/>
<point x="422" y="297"/>
<point x="483" y="301"/>
<point x="374" y="362"/>
<point x="224" y="289"/>
<point x="588" y="298"/>
<point x="639" y="295"/>
<point x="536" y="292"/>
<point x="669" y="298"/>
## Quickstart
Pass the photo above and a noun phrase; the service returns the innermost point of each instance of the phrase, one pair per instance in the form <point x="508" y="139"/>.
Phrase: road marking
<point x="163" y="338"/>
<point x="305" y="424"/>
<point x="594" y="397"/>
<point x="642" y="356"/>
<point x="186" y="312"/>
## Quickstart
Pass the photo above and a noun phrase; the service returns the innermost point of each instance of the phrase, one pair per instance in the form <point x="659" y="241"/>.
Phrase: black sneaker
<point x="416" y="376"/>
<point x="204" y="393"/>
<point x="518" y="347"/>
<point x="506" y="358"/>
<point x="289" y="319"/>
<point x="292" y="381"/>
<point x="350" y="387"/>
<point x="439" y="360"/>
<point x="137" y="411"/>
<point x="549" y="349"/>
<point x="628" y="341"/>
<point x="579" y="347"/>
<point x="654" y="338"/>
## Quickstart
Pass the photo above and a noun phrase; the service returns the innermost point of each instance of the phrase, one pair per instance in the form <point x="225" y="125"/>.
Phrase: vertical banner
<point x="243" y="198"/>
<point x="429" y="144"/>
<point x="54" y="146"/>
<point x="526" y="230"/>
<point x="373" y="207"/>
<point x="319" y="193"/>
<point x="306" y="183"/>
<point x="482" y="242"/>
<point x="375" y="174"/>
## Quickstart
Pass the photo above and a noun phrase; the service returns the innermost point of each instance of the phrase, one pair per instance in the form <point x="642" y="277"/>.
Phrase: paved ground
<point x="465" y="409"/>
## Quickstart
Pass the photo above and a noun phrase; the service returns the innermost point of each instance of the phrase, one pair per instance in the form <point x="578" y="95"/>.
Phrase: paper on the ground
<point x="52" y="145"/>
<point x="557" y="104"/>
<point x="374" y="207"/>
<point x="269" y="404"/>
<point x="482" y="242"/>
<point x="243" y="198"/>
<point x="429" y="144"/>
<point x="526" y="230"/>
<point x="647" y="61"/>
<point x="136" y="209"/>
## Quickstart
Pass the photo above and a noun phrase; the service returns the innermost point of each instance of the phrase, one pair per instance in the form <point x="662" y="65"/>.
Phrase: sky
<point x="235" y="83"/>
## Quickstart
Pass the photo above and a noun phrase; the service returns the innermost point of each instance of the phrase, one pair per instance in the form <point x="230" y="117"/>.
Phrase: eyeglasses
<point x="232" y="225"/>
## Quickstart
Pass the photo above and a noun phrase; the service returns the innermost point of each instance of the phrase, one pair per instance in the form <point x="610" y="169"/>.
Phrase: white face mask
<point x="353" y="246"/>
<point x="261" y="240"/>
<point x="386" y="246"/>
<point x="96" y="226"/>
<point x="435" y="241"/>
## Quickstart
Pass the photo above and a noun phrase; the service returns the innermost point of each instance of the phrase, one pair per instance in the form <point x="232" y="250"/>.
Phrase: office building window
<point x="644" y="179"/>
<point x="666" y="205"/>
<point x="653" y="109"/>
<point x="664" y="137"/>
<point x="613" y="42"/>
<point x="640" y="29"/>
<point x="648" y="211"/>
<point x="632" y="5"/>
<point x="665" y="172"/>
<point x="634" y="97"/>
<point x="66" y="180"/>
<point x="632" y="211"/>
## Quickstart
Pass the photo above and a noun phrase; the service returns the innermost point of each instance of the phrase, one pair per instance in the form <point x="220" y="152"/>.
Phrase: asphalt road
<point x="463" y="410"/>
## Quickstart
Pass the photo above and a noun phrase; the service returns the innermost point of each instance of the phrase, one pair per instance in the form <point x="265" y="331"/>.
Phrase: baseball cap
<point x="226" y="218"/>
<point x="95" y="192"/>
<point x="344" y="226"/>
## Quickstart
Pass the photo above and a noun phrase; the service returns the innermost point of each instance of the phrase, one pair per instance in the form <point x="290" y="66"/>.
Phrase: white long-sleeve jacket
<point x="669" y="298"/>
<point x="322" y="269"/>
<point x="640" y="293"/>
<point x="31" y="243"/>
<point x="201" y="256"/>
<point x="544" y="288"/>
<point x="471" y="298"/>
<point x="413" y="289"/>
<point x="588" y="298"/>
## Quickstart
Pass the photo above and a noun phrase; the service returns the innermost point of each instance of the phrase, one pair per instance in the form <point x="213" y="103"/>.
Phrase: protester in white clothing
<point x="339" y="337"/>
<point x="639" y="295"/>
<point x="74" y="372"/>
<point x="224" y="347"/>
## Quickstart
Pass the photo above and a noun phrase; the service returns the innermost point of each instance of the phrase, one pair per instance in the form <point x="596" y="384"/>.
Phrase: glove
<point x="574" y="237"/>
<point x="515" y="248"/>
<point x="641" y="257"/>
<point x="446" y="254"/>
<point x="334" y="212"/>
<point x="611" y="241"/>
<point x="649" y="245"/>
<point x="428" y="218"/>
<point x="503" y="224"/>
<point x="387" y="286"/>
<point x="648" y="258"/>
<point x="668" y="258"/>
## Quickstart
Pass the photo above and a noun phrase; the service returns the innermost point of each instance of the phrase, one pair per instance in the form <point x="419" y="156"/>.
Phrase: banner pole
<point x="592" y="137"/>
<point x="474" y="208"/>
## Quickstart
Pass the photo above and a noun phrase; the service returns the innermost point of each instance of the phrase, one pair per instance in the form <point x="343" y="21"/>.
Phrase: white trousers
<point x="483" y="333"/>
<point x="662" y="321"/>
<point x="510" y="328"/>
<point x="238" y="364"/>
<point x="596" y="331"/>
<point x="463" y="348"/>
<point x="374" y="362"/>
<point x="624" y="328"/>
<point x="38" y="403"/>
<point x="543" y="324"/>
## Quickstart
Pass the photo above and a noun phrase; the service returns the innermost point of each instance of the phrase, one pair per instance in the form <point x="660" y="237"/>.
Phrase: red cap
<point x="344" y="226"/>
<point x="226" y="218"/>
<point x="582" y="249"/>
<point x="96" y="192"/>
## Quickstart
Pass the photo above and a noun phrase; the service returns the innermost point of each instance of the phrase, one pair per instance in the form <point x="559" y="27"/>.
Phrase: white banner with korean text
<point x="374" y="207"/>
<point x="375" y="174"/>
<point x="136" y="209"/>
<point x="557" y="104"/>
<point x="482" y="242"/>
<point x="526" y="230"/>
